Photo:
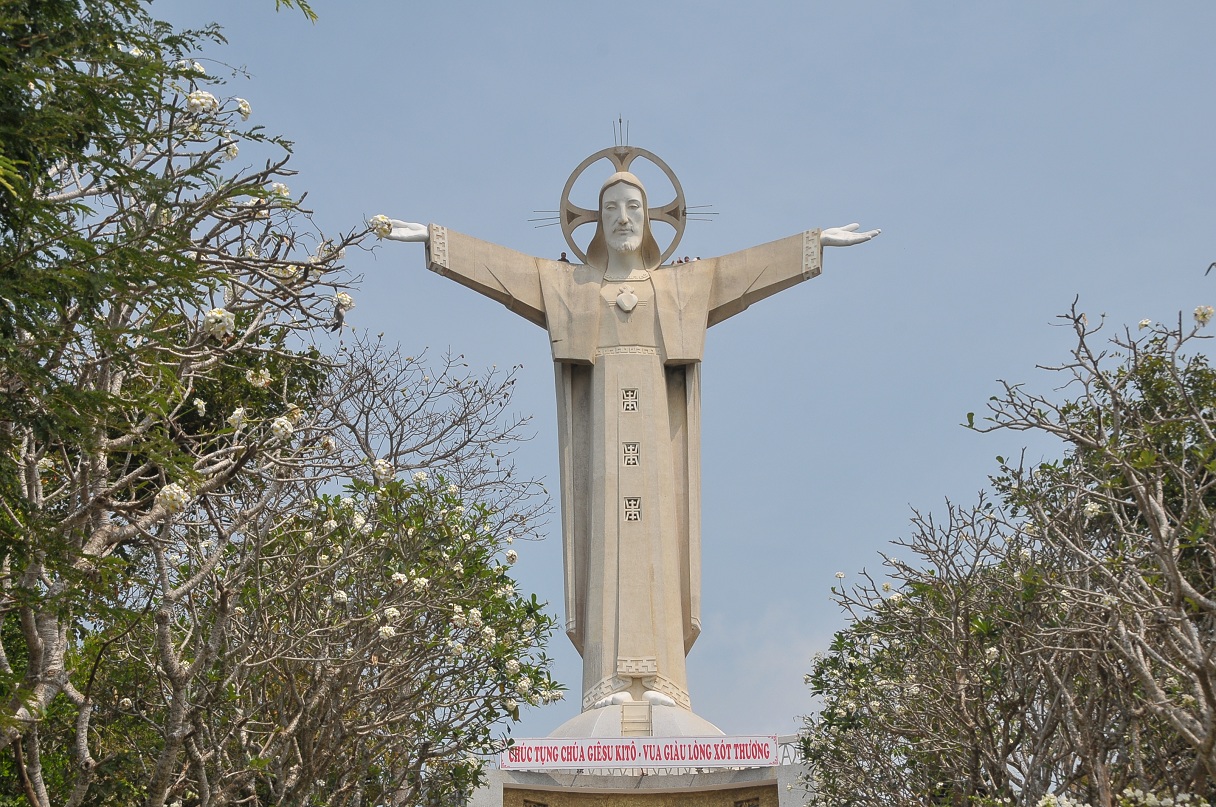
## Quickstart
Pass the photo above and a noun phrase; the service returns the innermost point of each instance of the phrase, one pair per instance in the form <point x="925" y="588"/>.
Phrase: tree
<point x="1058" y="643"/>
<point x="190" y="610"/>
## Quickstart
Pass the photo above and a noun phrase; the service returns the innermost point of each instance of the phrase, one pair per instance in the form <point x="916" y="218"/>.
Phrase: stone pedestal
<point x="637" y="719"/>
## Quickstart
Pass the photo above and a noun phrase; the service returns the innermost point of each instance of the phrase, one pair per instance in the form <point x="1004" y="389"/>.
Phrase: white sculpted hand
<point x="845" y="236"/>
<point x="395" y="230"/>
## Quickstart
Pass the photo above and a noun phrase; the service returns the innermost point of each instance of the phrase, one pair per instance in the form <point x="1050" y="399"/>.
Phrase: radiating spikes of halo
<point x="671" y="213"/>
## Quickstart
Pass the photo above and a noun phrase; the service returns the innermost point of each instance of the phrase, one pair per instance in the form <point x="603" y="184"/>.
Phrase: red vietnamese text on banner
<point x="641" y="752"/>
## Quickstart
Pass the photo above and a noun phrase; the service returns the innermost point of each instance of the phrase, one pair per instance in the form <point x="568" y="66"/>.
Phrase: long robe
<point x="629" y="435"/>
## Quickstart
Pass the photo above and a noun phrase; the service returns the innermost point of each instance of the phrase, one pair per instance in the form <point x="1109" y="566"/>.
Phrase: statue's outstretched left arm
<point x="742" y="278"/>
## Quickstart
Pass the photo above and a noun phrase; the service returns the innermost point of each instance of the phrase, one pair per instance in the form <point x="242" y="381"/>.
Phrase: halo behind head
<point x="673" y="213"/>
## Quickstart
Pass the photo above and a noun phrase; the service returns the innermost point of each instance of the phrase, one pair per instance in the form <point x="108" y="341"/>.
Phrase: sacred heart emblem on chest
<point x="626" y="299"/>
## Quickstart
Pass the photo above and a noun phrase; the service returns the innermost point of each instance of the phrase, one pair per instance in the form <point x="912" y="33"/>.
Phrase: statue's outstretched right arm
<point x="397" y="230"/>
<point x="512" y="278"/>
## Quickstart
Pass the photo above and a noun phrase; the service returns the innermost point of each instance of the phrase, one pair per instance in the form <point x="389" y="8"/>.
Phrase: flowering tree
<point x="1058" y="644"/>
<point x="357" y="647"/>
<point x="189" y="610"/>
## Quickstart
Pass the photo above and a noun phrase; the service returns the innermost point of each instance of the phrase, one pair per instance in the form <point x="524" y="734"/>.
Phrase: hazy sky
<point x="1016" y="155"/>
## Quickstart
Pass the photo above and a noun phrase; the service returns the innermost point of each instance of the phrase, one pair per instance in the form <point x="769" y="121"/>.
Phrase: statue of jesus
<point x="627" y="334"/>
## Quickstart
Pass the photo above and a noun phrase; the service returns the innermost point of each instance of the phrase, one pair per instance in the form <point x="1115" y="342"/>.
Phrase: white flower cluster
<point x="259" y="378"/>
<point x="382" y="470"/>
<point x="242" y="106"/>
<point x="173" y="497"/>
<point x="237" y="418"/>
<point x="512" y="556"/>
<point x="419" y="476"/>
<point x="380" y="225"/>
<point x="1092" y="509"/>
<point x="1203" y="314"/>
<point x="420" y="584"/>
<point x="281" y="428"/>
<point x="200" y="406"/>
<point x="387" y="631"/>
<point x="259" y="208"/>
<point x="344" y="301"/>
<point x="340" y="597"/>
<point x="201" y="102"/>
<point x="279" y="189"/>
<point x="400" y="578"/>
<point x="326" y="251"/>
<point x="284" y="271"/>
<point x="231" y="151"/>
<point x="1145" y="323"/>
<point x="391" y="613"/>
<point x="219" y="322"/>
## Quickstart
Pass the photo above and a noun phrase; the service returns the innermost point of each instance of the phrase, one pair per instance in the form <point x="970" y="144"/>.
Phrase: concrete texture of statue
<point x="627" y="333"/>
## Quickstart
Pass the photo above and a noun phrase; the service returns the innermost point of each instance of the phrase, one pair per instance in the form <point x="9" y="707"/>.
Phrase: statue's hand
<point x="845" y="236"/>
<point x="395" y="230"/>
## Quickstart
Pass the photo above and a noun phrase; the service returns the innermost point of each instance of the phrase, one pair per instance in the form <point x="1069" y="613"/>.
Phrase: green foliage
<point x="1058" y="646"/>
<point x="170" y="559"/>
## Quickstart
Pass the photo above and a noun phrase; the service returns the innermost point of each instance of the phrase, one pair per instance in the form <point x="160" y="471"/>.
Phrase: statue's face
<point x="623" y="215"/>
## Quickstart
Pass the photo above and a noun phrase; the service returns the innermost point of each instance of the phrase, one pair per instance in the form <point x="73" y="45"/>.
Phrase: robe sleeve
<point x="512" y="278"/>
<point x="742" y="278"/>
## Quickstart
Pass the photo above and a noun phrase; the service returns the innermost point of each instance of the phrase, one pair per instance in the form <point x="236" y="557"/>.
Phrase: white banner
<point x="641" y="752"/>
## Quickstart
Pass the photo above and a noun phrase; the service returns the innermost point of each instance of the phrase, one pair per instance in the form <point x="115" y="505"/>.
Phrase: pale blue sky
<point x="1015" y="155"/>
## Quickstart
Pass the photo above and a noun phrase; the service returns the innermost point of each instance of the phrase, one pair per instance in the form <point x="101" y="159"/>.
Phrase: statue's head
<point x="624" y="224"/>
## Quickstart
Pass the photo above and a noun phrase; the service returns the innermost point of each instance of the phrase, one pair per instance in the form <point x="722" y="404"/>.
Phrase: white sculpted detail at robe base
<point x="627" y="335"/>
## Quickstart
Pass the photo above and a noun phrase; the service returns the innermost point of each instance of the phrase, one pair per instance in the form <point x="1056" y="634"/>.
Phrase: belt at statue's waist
<point x="627" y="350"/>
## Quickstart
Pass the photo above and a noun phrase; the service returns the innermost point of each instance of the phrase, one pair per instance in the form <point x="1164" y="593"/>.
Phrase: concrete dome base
<point x="666" y="721"/>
